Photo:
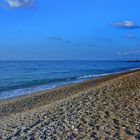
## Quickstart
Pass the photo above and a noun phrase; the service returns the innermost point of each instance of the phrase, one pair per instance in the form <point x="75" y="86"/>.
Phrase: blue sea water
<point x="25" y="77"/>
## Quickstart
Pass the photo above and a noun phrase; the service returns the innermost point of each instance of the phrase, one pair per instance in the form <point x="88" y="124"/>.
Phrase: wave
<point x="45" y="84"/>
<point x="34" y="89"/>
<point x="41" y="82"/>
<point x="33" y="83"/>
<point x="92" y="76"/>
<point x="41" y="85"/>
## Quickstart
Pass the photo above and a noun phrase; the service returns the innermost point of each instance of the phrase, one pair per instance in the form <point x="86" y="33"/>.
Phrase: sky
<point x="69" y="29"/>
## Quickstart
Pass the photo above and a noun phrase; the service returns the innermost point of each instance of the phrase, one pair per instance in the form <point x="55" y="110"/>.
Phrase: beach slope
<point x="107" y="108"/>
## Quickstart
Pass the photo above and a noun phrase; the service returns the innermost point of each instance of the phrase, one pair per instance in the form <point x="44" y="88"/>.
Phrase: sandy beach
<point x="106" y="108"/>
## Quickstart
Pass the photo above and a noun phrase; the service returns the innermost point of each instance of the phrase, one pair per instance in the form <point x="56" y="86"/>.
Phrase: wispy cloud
<point x="68" y="42"/>
<point x="125" y="24"/>
<point x="58" y="38"/>
<point x="16" y="3"/>
<point x="126" y="53"/>
<point x="129" y="36"/>
<point x="91" y="45"/>
<point x="79" y="44"/>
<point x="107" y="39"/>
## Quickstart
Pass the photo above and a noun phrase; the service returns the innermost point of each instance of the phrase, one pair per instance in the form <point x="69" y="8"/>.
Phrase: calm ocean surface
<point x="24" y="77"/>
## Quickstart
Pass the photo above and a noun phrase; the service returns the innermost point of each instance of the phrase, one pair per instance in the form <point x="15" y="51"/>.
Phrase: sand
<point x="107" y="108"/>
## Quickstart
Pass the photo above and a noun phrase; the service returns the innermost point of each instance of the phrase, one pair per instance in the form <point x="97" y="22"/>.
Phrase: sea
<point x="19" y="78"/>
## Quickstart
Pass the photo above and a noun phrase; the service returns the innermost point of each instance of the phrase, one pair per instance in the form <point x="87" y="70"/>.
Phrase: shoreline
<point x="69" y="84"/>
<point x="33" y="100"/>
<point x="63" y="84"/>
<point x="103" y="108"/>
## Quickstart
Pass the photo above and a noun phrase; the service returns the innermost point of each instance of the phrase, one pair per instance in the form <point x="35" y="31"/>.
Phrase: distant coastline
<point x="133" y="61"/>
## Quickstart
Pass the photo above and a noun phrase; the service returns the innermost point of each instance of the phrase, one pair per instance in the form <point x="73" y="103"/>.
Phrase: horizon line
<point x="74" y="60"/>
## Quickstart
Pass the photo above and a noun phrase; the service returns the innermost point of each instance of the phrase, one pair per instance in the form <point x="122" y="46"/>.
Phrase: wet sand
<point x="107" y="108"/>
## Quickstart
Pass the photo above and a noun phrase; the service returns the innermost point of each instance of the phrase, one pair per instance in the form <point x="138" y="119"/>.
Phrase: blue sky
<point x="69" y="30"/>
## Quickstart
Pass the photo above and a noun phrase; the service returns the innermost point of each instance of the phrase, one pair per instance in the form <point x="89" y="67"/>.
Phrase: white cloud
<point x="126" y="53"/>
<point x="125" y="24"/>
<point x="16" y="3"/>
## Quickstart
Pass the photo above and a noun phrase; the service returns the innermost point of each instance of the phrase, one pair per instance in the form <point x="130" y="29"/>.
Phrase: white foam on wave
<point x="92" y="76"/>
